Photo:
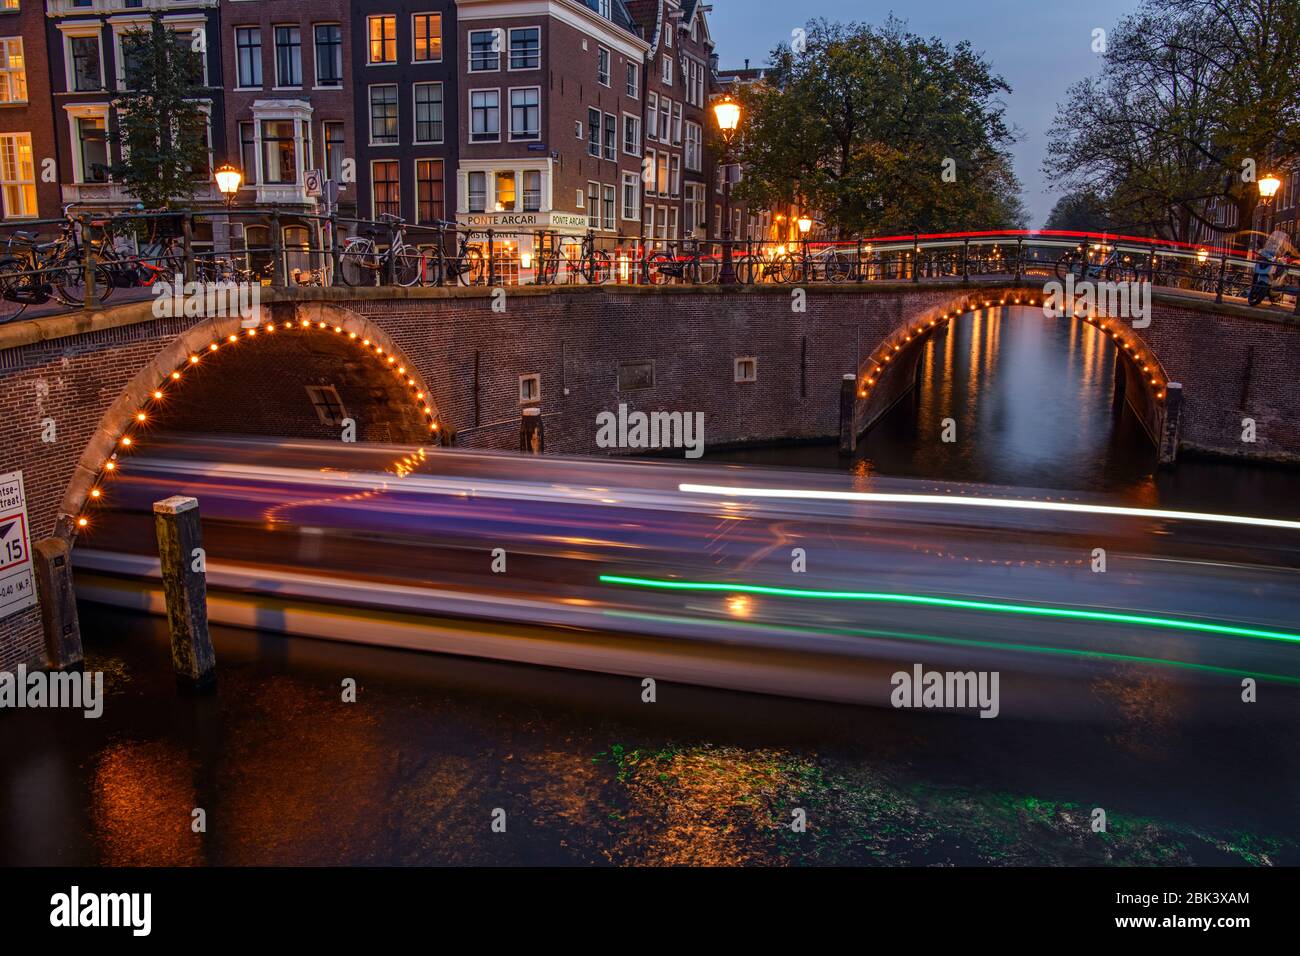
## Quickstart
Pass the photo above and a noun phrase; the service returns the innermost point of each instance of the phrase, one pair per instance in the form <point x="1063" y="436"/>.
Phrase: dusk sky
<point x="1038" y="47"/>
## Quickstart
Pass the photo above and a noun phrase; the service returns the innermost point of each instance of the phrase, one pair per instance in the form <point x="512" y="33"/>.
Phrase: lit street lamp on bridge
<point x="727" y="111"/>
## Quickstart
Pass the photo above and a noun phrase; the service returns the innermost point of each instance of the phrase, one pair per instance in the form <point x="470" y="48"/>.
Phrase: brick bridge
<point x="79" y="393"/>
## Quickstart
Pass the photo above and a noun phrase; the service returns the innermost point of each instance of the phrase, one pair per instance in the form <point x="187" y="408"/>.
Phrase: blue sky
<point x="1039" y="47"/>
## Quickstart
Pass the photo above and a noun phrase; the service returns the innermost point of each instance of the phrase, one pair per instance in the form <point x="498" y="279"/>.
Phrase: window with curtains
<point x="427" y="30"/>
<point x="329" y="54"/>
<point x="386" y="188"/>
<point x="288" y="56"/>
<point x="525" y="113"/>
<point x="485" y="116"/>
<point x="428" y="112"/>
<point x="430" y="200"/>
<point x="383" y="115"/>
<point x="381" y="38"/>
<point x="334" y="151"/>
<point x="248" y="152"/>
<point x="248" y="57"/>
<point x="477" y="191"/>
<point x="279" y="153"/>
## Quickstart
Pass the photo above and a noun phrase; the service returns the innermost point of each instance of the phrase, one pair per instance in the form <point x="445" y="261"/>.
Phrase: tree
<point x="1083" y="211"/>
<point x="161" y="125"/>
<point x="1194" y="96"/>
<point x="880" y="131"/>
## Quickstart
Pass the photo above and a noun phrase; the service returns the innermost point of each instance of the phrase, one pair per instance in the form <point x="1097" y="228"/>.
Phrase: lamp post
<point x="1268" y="187"/>
<point x="229" y="179"/>
<point x="727" y="112"/>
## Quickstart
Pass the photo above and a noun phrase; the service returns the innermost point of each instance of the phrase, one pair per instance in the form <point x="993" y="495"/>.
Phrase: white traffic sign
<point x="17" y="583"/>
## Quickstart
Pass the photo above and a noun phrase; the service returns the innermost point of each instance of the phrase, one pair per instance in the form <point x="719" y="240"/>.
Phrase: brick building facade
<point x="29" y="182"/>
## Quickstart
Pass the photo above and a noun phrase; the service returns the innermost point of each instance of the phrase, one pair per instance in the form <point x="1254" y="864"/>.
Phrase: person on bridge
<point x="1279" y="248"/>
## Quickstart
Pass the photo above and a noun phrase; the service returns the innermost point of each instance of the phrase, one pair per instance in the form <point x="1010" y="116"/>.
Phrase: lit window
<point x="383" y="39"/>
<point x="427" y="28"/>
<point x="13" y="71"/>
<point x="17" y="175"/>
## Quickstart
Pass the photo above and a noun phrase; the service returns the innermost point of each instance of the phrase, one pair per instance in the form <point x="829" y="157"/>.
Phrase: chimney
<point x="747" y="63"/>
<point x="714" y="62"/>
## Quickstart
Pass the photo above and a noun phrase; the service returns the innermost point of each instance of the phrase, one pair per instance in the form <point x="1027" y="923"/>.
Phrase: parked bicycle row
<point x="83" y="258"/>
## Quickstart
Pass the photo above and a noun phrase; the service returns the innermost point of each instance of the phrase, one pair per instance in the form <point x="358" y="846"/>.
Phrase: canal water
<point x="1031" y="399"/>
<point x="287" y="772"/>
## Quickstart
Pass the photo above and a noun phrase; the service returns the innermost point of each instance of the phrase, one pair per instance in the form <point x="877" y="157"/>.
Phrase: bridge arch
<point x="346" y="336"/>
<point x="888" y="372"/>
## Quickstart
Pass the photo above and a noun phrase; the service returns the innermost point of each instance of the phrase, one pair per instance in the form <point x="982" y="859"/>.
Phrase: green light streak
<point x="1142" y="620"/>
<point x="991" y="645"/>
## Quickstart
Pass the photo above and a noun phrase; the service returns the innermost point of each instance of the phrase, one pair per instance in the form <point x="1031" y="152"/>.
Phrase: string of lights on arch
<point x="127" y="442"/>
<point x="1129" y="345"/>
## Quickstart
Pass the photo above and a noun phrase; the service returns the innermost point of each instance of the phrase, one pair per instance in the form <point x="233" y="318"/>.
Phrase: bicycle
<point x="755" y="267"/>
<point x="34" y="272"/>
<point x="361" y="262"/>
<point x="467" y="267"/>
<point x="690" y="266"/>
<point x="594" y="265"/>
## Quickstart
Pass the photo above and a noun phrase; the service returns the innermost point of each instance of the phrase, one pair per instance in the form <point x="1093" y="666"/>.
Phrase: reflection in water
<point x="1033" y="403"/>
<point x="412" y="772"/>
<point x="1031" y="399"/>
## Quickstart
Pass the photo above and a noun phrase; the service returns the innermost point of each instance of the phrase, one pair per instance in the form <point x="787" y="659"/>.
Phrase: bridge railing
<point x="88" y="257"/>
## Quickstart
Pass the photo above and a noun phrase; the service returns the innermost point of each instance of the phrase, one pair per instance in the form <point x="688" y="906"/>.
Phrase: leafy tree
<point x="1081" y="212"/>
<point x="1190" y="90"/>
<point x="862" y="124"/>
<point x="161" y="126"/>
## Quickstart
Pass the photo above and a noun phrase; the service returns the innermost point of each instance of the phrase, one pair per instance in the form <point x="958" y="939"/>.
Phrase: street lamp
<point x="229" y="179"/>
<point x="805" y="226"/>
<point x="727" y="112"/>
<point x="1268" y="187"/>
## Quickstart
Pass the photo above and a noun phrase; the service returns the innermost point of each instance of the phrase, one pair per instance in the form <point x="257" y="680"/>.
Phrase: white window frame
<point x="374" y="214"/>
<point x="397" y="55"/>
<point x="35" y="211"/>
<point x="415" y="117"/>
<point x="81" y="31"/>
<point x="469" y="50"/>
<point x="631" y="181"/>
<point x="511" y="124"/>
<point x="469" y="104"/>
<point x="86" y="111"/>
<point x="370" y="116"/>
<point x="275" y="56"/>
<point x="666" y="71"/>
<point x="315" y="75"/>
<point x="510" y="38"/>
<point x="603" y="52"/>
<point x="635" y="120"/>
<point x="261" y="65"/>
<point x="8" y="71"/>
<point x="442" y="45"/>
<point x="633" y="80"/>
<point x="740" y="375"/>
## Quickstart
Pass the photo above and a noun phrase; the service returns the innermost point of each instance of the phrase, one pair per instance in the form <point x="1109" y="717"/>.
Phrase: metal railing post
<point x="277" y="250"/>
<point x="336" y="264"/>
<point x="1223" y="273"/>
<point x="187" y="246"/>
<point x="390" y="267"/>
<point x="88" y="264"/>
<point x="492" y="258"/>
<point x="965" y="259"/>
<point x="857" y="262"/>
<point x="916" y="257"/>
<point x="1020" y="253"/>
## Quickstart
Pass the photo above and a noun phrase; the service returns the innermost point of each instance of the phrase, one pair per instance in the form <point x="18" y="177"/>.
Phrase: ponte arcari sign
<point x="524" y="220"/>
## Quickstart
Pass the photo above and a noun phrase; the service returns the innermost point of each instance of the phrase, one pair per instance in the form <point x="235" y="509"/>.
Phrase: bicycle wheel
<point x="11" y="285"/>
<point x="838" y="268"/>
<point x="596" y="268"/>
<point x="406" y="270"/>
<point x="69" y="281"/>
<point x="655" y="264"/>
<point x="1070" y="263"/>
<point x="355" y="266"/>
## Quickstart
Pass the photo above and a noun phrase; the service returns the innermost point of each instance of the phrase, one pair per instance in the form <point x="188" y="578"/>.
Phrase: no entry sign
<point x="17" y="584"/>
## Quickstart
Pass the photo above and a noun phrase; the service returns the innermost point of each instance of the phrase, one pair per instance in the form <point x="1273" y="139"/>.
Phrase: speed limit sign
<point x="17" y="584"/>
